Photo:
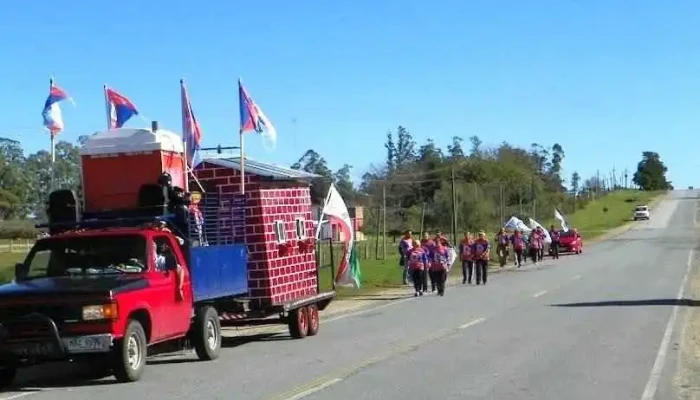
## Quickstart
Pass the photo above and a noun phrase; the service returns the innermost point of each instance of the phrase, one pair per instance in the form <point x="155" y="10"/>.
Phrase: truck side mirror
<point x="20" y="272"/>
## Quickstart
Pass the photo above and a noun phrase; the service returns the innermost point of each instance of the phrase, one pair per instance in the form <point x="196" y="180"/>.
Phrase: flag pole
<point x="108" y="108"/>
<point x="183" y="104"/>
<point x="240" y="134"/>
<point x="53" y="148"/>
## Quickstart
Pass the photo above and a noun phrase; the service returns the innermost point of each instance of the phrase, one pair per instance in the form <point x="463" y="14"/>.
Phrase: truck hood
<point x="75" y="285"/>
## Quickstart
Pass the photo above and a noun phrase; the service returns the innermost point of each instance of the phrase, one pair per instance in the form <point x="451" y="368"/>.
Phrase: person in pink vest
<point x="481" y="254"/>
<point x="465" y="252"/>
<point x="540" y="250"/>
<point x="535" y="240"/>
<point x="417" y="264"/>
<point x="428" y="246"/>
<point x="439" y="267"/>
<point x="518" y="242"/>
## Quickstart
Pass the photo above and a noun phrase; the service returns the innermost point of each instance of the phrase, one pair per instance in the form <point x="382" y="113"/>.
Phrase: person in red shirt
<point x="518" y="242"/>
<point x="465" y="252"/>
<point x="417" y="264"/>
<point x="404" y="248"/>
<point x="480" y="255"/>
<point x="439" y="267"/>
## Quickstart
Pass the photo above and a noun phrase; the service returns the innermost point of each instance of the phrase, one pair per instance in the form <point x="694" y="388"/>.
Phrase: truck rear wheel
<point x="7" y="375"/>
<point x="206" y="333"/>
<point x="314" y="319"/>
<point x="129" y="353"/>
<point x="298" y="321"/>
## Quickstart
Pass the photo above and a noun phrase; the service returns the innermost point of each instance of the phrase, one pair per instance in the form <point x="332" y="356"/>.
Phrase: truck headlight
<point x="97" y="312"/>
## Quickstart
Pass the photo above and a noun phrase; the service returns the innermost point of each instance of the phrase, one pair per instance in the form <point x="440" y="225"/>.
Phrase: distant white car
<point x="641" y="212"/>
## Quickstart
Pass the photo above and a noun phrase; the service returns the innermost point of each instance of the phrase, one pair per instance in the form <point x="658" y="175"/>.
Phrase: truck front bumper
<point x="37" y="337"/>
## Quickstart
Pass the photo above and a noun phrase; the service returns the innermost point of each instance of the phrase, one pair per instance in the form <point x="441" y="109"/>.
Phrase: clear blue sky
<point x="607" y="79"/>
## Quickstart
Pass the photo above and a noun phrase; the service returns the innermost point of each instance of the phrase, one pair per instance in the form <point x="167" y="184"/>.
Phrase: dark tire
<point x="298" y="321"/>
<point x="206" y="333"/>
<point x="7" y="375"/>
<point x="129" y="353"/>
<point x="314" y="320"/>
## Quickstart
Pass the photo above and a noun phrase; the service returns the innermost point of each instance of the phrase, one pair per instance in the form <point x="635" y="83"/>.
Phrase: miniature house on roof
<point x="277" y="225"/>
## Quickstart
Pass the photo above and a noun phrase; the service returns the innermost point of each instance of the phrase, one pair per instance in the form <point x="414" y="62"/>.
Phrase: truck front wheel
<point x="129" y="353"/>
<point x="206" y="333"/>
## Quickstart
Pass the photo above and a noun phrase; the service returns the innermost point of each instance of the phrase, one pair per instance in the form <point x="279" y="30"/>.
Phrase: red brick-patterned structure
<point x="277" y="272"/>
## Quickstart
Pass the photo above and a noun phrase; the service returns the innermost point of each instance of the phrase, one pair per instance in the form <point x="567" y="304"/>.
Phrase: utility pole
<point x="379" y="229"/>
<point x="625" y="178"/>
<point x="520" y="199"/>
<point x="422" y="220"/>
<point x="501" y="206"/>
<point x="454" y="208"/>
<point x="614" y="180"/>
<point x="384" y="221"/>
<point x="597" y="184"/>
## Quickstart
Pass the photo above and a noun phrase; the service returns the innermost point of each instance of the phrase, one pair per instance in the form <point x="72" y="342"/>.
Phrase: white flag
<point x="534" y="225"/>
<point x="562" y="221"/>
<point x="334" y="208"/>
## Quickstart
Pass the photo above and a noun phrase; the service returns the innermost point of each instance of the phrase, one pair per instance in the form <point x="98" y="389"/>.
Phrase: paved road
<point x="588" y="326"/>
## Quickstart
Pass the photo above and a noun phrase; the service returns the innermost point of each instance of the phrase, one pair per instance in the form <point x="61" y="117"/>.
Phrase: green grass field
<point x="592" y="222"/>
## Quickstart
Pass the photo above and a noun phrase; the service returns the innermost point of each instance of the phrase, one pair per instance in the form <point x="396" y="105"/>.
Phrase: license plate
<point x="87" y="344"/>
<point x="33" y="349"/>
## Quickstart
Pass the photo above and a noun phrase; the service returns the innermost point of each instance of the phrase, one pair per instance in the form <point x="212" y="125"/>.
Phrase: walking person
<point x="428" y="246"/>
<point x="554" y="234"/>
<point x="540" y="250"/>
<point x="480" y="254"/>
<point x="465" y="252"/>
<point x="439" y="267"/>
<point x="518" y="242"/>
<point x="535" y="246"/>
<point x="502" y="241"/>
<point x="405" y="246"/>
<point x="417" y="264"/>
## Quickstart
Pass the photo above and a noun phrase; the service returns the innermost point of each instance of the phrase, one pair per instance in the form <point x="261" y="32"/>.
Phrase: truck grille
<point x="33" y="327"/>
<point x="59" y="314"/>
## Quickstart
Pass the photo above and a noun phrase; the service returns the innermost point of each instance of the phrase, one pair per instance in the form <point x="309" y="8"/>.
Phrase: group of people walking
<point x="429" y="259"/>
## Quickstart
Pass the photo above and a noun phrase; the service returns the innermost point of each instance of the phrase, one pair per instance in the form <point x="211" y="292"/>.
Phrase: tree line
<point x="467" y="184"/>
<point x="418" y="185"/>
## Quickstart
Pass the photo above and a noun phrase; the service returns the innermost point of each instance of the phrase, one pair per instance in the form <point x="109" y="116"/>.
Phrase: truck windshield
<point x="87" y="255"/>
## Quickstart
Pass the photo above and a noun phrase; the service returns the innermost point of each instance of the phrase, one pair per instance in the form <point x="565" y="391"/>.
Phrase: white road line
<point x="17" y="396"/>
<point x="575" y="278"/>
<point x="315" y="389"/>
<point x="472" y="323"/>
<point x="655" y="376"/>
<point x="538" y="294"/>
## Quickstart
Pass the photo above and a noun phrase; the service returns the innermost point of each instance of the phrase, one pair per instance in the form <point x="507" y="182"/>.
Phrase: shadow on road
<point x="631" y="303"/>
<point x="235" y="341"/>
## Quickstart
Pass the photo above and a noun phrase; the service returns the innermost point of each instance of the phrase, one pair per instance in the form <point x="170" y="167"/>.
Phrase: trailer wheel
<point x="7" y="375"/>
<point x="314" y="320"/>
<point x="129" y="353"/>
<point x="206" y="333"/>
<point x="298" y="321"/>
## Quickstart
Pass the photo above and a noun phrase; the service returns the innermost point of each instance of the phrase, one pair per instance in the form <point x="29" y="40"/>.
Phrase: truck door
<point x="176" y="307"/>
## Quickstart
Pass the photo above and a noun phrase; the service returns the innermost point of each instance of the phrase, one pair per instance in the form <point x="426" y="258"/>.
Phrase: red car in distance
<point x="570" y="241"/>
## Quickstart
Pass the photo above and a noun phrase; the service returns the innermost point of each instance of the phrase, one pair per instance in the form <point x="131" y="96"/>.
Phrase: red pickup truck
<point x="113" y="295"/>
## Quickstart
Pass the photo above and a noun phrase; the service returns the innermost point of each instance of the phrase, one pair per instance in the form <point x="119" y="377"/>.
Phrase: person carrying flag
<point x="554" y="234"/>
<point x="519" y="244"/>
<point x="439" y="267"/>
<point x="465" y="252"/>
<point x="502" y="241"/>
<point x="405" y="246"/>
<point x="417" y="264"/>
<point x="540" y="250"/>
<point x="535" y="239"/>
<point x="480" y="255"/>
